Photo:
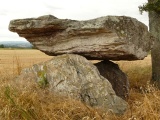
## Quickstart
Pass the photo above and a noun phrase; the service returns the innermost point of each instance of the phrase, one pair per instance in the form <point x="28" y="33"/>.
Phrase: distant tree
<point x="33" y="47"/>
<point x="1" y="46"/>
<point x="153" y="7"/>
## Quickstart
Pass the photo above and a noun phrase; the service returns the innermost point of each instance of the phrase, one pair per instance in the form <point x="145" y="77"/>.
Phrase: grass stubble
<point x="25" y="100"/>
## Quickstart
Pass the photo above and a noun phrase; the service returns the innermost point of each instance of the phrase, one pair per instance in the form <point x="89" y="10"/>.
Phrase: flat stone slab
<point x="104" y="38"/>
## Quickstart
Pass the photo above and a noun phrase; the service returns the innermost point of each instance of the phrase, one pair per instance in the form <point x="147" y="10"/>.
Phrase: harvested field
<point x="24" y="57"/>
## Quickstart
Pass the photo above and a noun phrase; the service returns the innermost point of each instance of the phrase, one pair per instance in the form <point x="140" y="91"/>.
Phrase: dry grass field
<point x="24" y="100"/>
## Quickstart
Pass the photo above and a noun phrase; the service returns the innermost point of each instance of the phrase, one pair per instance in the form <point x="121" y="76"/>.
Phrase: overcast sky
<point x="70" y="9"/>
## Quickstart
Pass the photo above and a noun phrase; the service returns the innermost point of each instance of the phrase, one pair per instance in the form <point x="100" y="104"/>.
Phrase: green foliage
<point x="42" y="79"/>
<point x="7" y="93"/>
<point x="153" y="6"/>
<point x="2" y="46"/>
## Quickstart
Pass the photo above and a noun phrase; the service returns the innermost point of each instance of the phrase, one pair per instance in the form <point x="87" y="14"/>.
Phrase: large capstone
<point x="109" y="37"/>
<point x="74" y="76"/>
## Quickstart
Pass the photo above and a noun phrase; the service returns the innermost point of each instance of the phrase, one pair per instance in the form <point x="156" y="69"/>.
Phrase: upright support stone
<point x="115" y="76"/>
<point x="76" y="77"/>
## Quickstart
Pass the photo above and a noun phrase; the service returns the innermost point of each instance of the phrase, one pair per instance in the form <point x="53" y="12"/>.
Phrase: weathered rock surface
<point x="75" y="76"/>
<point x="110" y="37"/>
<point x="115" y="76"/>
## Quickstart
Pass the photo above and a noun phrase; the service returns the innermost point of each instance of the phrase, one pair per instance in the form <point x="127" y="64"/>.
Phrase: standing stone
<point x="115" y="76"/>
<point x="74" y="76"/>
<point x="104" y="38"/>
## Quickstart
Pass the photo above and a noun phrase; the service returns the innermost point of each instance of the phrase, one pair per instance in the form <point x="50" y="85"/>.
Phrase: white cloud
<point x="71" y="9"/>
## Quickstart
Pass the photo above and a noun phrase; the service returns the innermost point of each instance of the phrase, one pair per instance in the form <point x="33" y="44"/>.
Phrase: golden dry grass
<point x="24" y="100"/>
<point x="10" y="58"/>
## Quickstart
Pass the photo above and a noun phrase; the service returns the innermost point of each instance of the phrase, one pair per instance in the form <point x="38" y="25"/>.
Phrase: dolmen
<point x="73" y="43"/>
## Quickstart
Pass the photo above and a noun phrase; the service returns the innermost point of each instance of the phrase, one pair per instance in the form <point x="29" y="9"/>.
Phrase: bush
<point x="1" y="46"/>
